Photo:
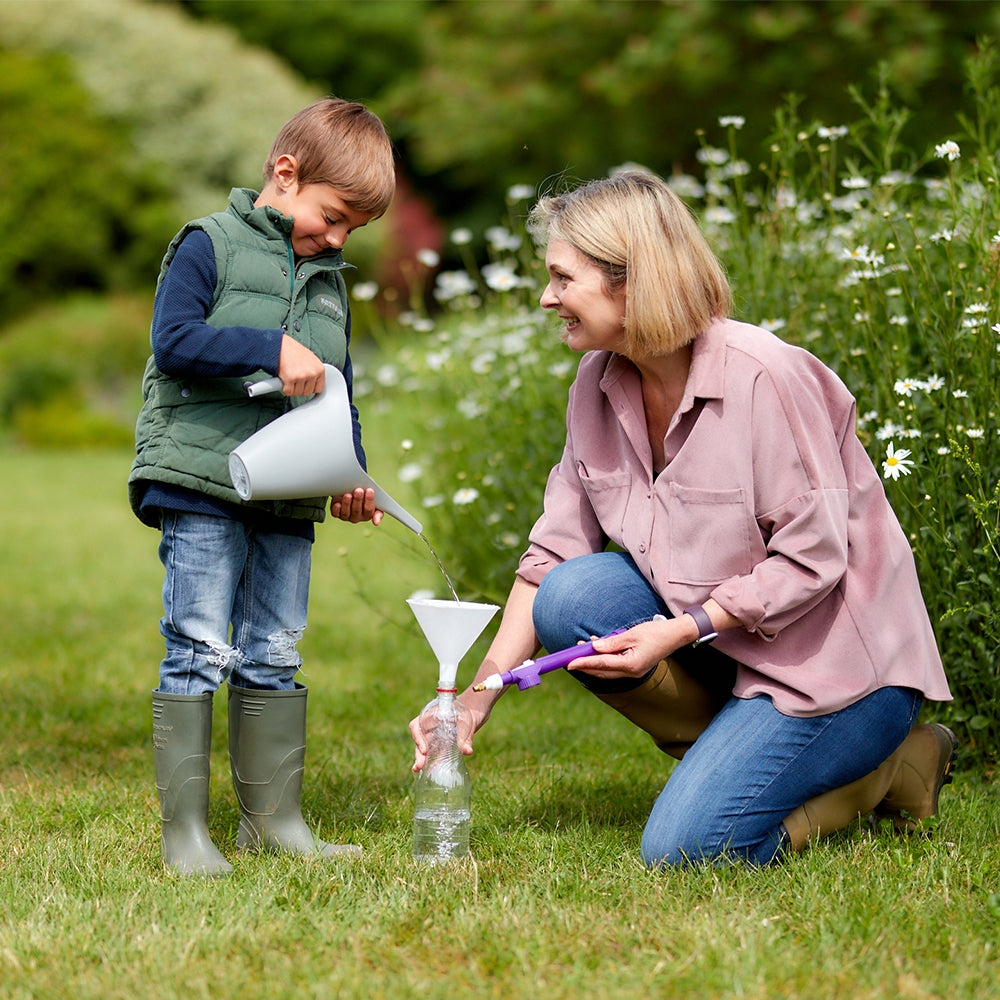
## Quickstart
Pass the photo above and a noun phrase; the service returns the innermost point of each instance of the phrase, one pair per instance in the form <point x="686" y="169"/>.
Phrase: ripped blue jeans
<point x="234" y="602"/>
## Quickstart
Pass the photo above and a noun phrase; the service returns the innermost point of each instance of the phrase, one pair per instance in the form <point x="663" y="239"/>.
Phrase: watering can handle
<point x="264" y="386"/>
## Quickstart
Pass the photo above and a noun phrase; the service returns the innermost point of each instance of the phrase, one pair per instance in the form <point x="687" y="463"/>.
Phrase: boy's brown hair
<point x="343" y="144"/>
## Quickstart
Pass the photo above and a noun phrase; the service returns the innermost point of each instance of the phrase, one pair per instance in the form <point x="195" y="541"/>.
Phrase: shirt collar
<point x="708" y="365"/>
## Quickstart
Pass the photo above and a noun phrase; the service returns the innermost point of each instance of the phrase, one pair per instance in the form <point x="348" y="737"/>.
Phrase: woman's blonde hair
<point x="342" y="144"/>
<point x="643" y="237"/>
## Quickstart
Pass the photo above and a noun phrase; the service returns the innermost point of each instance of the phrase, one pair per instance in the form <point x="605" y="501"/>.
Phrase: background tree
<point x="77" y="208"/>
<point x="481" y="96"/>
<point x="120" y="120"/>
<point x="478" y="97"/>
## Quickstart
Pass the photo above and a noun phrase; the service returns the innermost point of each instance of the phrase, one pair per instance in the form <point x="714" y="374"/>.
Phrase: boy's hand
<point x="301" y="372"/>
<point x="356" y="507"/>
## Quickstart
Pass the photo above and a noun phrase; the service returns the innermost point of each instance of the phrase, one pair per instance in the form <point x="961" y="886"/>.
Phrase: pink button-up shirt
<point x="768" y="503"/>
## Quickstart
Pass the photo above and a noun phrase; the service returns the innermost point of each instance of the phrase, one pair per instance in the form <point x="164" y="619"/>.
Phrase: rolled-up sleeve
<point x="800" y="496"/>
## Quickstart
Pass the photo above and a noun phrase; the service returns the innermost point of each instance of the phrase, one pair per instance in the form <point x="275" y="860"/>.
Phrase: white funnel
<point x="308" y="452"/>
<point x="451" y="627"/>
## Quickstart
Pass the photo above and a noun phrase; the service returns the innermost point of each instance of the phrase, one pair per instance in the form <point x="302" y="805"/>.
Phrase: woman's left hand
<point x="634" y="652"/>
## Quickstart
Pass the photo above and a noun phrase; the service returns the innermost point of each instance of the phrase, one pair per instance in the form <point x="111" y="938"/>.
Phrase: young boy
<point x="252" y="291"/>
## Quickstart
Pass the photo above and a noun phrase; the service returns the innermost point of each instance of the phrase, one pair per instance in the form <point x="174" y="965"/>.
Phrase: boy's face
<point x="322" y="219"/>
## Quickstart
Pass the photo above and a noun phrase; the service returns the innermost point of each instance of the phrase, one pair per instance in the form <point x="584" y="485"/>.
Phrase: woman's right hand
<point x="470" y="723"/>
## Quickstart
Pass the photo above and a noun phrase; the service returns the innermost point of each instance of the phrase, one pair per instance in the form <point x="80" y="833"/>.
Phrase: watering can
<point x="307" y="452"/>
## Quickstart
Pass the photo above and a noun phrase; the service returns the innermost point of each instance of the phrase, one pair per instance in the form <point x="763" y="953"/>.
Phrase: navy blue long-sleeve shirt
<point x="184" y="345"/>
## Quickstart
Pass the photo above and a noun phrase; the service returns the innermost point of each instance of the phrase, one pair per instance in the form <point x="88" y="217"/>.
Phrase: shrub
<point x="70" y="373"/>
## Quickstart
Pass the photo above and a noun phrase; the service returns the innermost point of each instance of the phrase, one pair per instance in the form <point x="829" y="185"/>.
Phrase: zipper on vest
<point x="291" y="271"/>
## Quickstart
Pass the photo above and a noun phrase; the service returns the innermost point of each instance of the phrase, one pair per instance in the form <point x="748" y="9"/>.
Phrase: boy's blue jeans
<point x="752" y="766"/>
<point x="234" y="602"/>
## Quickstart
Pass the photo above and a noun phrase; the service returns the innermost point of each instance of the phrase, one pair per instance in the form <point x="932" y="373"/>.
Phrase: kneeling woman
<point x="776" y="639"/>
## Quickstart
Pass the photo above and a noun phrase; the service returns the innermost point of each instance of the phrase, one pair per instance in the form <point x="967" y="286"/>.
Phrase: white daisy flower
<point x="896" y="463"/>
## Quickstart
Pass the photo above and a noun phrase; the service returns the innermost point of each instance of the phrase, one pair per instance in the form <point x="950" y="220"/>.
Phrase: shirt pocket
<point x="708" y="533"/>
<point x="608" y="493"/>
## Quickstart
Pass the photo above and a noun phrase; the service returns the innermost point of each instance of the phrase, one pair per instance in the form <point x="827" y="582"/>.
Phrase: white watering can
<point x="307" y="452"/>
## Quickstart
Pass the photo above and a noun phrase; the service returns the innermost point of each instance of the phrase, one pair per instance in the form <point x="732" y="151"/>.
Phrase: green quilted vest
<point x="187" y="427"/>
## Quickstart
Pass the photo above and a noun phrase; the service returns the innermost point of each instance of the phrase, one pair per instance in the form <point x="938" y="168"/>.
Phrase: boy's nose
<point x="336" y="236"/>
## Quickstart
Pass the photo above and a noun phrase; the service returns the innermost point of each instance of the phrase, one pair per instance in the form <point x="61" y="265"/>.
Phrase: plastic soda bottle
<point x="442" y="790"/>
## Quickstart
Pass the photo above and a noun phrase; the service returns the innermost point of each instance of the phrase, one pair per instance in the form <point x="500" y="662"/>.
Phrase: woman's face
<point x="594" y="317"/>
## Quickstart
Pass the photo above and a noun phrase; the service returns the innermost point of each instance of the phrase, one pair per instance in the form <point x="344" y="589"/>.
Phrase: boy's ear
<point x="286" y="171"/>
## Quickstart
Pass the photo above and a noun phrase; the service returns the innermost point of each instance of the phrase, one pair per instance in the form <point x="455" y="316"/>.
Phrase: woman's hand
<point x="636" y="651"/>
<point x="470" y="723"/>
<point x="356" y="507"/>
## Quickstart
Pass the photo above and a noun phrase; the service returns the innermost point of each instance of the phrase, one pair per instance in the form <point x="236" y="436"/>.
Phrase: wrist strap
<point x="706" y="631"/>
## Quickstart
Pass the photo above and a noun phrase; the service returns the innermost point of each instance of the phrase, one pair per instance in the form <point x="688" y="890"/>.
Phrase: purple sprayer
<point x="528" y="674"/>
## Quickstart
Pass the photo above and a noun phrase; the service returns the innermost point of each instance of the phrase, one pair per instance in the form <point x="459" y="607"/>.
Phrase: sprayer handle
<point x="528" y="674"/>
<point x="264" y="386"/>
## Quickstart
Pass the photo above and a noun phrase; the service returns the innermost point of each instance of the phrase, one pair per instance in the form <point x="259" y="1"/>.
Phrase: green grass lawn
<point x="554" y="901"/>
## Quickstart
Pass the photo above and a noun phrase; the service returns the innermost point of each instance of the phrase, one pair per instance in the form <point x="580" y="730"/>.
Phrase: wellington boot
<point x="182" y="737"/>
<point x="267" y="749"/>
<point x="673" y="705"/>
<point x="905" y="788"/>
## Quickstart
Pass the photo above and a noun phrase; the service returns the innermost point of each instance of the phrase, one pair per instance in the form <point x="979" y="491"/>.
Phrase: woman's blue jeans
<point x="234" y="602"/>
<point x="752" y="766"/>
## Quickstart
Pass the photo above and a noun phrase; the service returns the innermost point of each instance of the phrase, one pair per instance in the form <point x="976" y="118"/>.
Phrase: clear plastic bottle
<point x="442" y="791"/>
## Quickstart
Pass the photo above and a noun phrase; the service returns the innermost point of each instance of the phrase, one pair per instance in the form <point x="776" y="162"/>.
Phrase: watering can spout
<point x="307" y="452"/>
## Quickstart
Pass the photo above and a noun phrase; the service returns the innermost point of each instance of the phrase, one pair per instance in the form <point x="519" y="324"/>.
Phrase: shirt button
<point x="186" y="391"/>
<point x="298" y="326"/>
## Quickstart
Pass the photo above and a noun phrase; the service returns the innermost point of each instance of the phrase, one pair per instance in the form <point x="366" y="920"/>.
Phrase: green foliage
<point x="121" y="120"/>
<point x="562" y="787"/>
<point x="197" y="103"/>
<point x="354" y="49"/>
<point x="477" y="96"/>
<point x="520" y="90"/>
<point x="880" y="259"/>
<point x="78" y="210"/>
<point x="481" y="96"/>
<point x="69" y="373"/>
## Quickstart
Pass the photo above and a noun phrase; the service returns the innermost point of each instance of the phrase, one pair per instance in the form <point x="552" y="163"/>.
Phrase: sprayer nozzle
<point x="492" y="683"/>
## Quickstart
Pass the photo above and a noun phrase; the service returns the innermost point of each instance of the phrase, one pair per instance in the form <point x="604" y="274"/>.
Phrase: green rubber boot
<point x="267" y="749"/>
<point x="182" y="737"/>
